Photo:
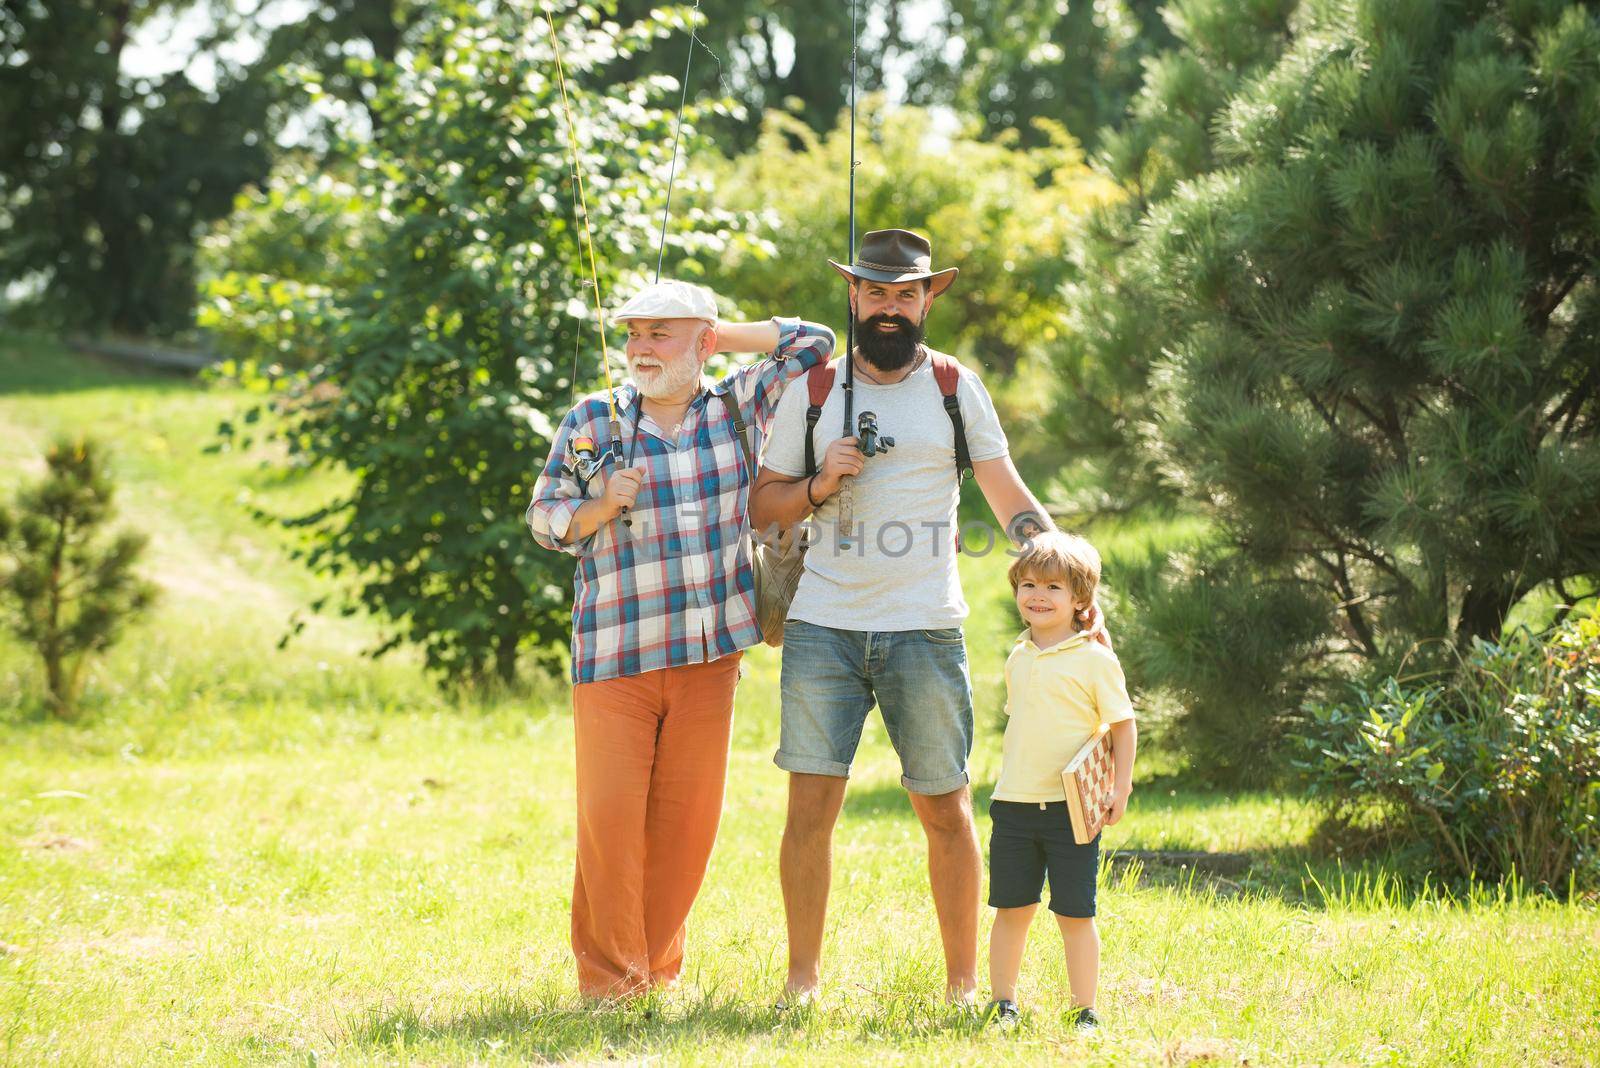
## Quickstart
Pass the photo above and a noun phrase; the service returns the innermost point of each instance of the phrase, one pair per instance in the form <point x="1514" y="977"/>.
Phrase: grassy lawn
<point x="247" y="855"/>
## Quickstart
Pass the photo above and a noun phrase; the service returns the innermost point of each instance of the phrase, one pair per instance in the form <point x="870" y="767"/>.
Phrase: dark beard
<point x="888" y="352"/>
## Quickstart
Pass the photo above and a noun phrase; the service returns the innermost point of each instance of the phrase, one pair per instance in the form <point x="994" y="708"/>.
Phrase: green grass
<point x="247" y="855"/>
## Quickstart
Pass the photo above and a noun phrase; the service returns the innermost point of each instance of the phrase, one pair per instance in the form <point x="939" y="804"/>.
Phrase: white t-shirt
<point x="900" y="573"/>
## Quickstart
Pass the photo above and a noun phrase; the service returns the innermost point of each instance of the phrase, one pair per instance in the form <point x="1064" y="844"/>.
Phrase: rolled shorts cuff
<point x="807" y="765"/>
<point x="935" y="787"/>
<point x="1072" y="910"/>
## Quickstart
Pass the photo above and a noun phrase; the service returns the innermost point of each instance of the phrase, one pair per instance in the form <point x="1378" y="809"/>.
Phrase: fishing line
<point x="615" y="427"/>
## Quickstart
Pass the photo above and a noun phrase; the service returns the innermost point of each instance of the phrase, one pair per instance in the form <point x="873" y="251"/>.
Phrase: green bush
<point x="1498" y="768"/>
<point x="272" y="270"/>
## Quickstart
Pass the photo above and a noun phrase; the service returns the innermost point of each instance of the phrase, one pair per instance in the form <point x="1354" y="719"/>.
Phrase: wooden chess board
<point x="1090" y="781"/>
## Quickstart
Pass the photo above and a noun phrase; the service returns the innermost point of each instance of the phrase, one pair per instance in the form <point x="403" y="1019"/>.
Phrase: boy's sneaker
<point x="1084" y="1020"/>
<point x="1004" y="1013"/>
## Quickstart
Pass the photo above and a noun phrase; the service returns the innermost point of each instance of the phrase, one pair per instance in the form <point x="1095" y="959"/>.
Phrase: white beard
<point x="672" y="378"/>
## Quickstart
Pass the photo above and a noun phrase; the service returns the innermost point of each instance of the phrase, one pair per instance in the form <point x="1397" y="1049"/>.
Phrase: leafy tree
<point x="104" y="179"/>
<point x="1011" y="62"/>
<point x="453" y="346"/>
<point x="67" y="593"/>
<point x="349" y="46"/>
<point x="1001" y="214"/>
<point x="107" y="179"/>
<point x="785" y="54"/>
<point x="1375" y="368"/>
<point x="271" y="272"/>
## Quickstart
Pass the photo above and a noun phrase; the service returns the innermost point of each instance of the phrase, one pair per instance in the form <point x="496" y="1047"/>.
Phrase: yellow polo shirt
<point x="1056" y="699"/>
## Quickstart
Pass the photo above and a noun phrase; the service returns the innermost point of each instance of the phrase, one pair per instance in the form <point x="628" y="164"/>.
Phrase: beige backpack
<point x="777" y="567"/>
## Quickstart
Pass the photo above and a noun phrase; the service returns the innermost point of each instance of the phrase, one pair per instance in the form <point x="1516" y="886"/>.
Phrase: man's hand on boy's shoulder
<point x="1092" y="622"/>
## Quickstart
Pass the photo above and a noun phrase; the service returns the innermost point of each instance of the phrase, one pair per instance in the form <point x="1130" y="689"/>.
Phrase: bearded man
<point x="878" y="613"/>
<point x="663" y="605"/>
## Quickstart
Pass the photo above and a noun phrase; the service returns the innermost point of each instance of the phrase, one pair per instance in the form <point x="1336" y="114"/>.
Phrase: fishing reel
<point x="585" y="460"/>
<point x="868" y="439"/>
<point x="871" y="443"/>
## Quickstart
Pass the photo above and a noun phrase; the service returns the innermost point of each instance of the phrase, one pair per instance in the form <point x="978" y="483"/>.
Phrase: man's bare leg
<point x="805" y="866"/>
<point x="955" y="873"/>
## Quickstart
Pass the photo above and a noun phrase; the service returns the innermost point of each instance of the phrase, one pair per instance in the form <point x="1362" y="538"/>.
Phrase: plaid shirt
<point x="677" y="587"/>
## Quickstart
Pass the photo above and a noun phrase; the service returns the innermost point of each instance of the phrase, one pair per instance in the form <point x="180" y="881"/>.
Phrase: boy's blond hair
<point x="1054" y="556"/>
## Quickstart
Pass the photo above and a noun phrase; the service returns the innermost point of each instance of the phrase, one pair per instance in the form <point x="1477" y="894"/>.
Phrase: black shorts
<point x="1028" y="841"/>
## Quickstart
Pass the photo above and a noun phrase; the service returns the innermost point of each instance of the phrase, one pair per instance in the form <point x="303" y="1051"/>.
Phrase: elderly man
<point x="877" y="618"/>
<point x="664" y="604"/>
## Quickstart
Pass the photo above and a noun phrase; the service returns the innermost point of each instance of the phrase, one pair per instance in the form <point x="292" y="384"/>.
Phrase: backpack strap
<point x="948" y="374"/>
<point x="738" y="431"/>
<point x="819" y="383"/>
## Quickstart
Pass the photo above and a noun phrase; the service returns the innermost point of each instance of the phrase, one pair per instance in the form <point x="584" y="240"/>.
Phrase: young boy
<point x="1061" y="686"/>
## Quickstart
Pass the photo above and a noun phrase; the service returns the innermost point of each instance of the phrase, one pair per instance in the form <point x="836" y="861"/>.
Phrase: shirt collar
<point x="1025" y="640"/>
<point x="626" y="396"/>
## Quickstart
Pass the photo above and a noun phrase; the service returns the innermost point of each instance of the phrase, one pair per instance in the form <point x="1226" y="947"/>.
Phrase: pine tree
<point x="66" y="593"/>
<point x="1368" y="344"/>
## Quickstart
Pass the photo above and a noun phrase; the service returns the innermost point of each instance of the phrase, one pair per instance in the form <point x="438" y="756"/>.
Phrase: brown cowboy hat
<point x="897" y="256"/>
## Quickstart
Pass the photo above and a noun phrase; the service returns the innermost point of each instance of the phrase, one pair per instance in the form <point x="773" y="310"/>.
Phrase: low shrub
<point x="1496" y="767"/>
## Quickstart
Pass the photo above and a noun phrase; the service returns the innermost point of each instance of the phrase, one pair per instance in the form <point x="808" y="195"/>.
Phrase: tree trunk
<point x="116" y="270"/>
<point x="505" y="656"/>
<point x="381" y="27"/>
<point x="50" y="645"/>
<point x="1483" y="611"/>
<point x="55" y="680"/>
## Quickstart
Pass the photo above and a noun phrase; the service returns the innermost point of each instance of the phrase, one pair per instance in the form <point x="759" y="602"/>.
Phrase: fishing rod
<point x="847" y="504"/>
<point x="615" y="424"/>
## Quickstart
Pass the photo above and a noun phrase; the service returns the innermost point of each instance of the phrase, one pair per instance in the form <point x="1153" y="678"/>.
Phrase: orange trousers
<point x="652" y="755"/>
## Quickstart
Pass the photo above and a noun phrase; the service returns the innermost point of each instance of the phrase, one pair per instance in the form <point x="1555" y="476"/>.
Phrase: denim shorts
<point x="1029" y="841"/>
<point x="917" y="678"/>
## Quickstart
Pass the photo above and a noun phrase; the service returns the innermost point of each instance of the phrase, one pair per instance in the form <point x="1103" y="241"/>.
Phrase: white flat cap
<point x="670" y="300"/>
